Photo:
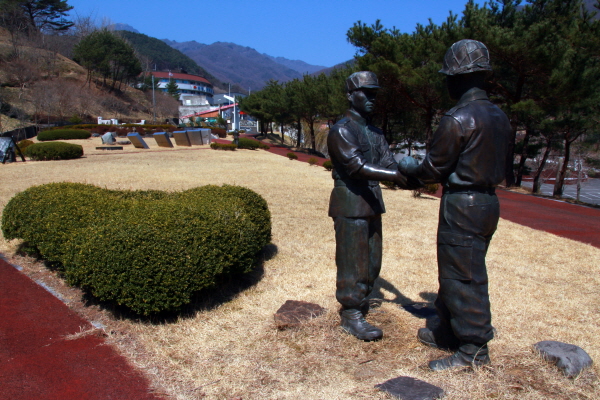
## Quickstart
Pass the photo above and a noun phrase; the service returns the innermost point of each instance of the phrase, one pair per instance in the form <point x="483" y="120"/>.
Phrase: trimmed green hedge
<point x="53" y="151"/>
<point x="63" y="134"/>
<point x="153" y="249"/>
<point x="223" y="146"/>
<point x="245" y="143"/>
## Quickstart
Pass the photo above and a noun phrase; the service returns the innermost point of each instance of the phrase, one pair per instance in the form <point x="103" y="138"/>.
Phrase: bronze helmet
<point x="362" y="79"/>
<point x="466" y="56"/>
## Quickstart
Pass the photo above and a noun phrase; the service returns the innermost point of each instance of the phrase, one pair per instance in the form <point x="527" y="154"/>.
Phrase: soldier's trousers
<point x="467" y="222"/>
<point x="358" y="258"/>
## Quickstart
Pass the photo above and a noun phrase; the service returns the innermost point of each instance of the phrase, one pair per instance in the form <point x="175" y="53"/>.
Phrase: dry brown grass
<point x="542" y="288"/>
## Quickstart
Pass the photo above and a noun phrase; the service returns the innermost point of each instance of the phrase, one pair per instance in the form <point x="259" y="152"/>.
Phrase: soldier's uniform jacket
<point x="352" y="143"/>
<point x="470" y="145"/>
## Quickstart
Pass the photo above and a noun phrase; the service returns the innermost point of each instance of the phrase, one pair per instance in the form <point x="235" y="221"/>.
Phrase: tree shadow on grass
<point x="225" y="290"/>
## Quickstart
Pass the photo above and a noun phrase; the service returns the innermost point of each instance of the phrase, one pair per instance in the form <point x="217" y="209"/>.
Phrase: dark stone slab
<point x="181" y="138"/>
<point x="292" y="313"/>
<point x="162" y="139"/>
<point x="195" y="137"/>
<point x="205" y="135"/>
<point x="407" y="388"/>
<point x="137" y="140"/>
<point x="569" y="358"/>
<point x="109" y="148"/>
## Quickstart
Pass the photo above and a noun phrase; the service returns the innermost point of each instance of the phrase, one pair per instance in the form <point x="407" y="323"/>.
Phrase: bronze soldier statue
<point x="361" y="158"/>
<point x="467" y="156"/>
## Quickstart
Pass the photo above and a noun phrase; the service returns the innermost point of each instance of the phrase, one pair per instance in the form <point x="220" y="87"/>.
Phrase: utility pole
<point x="153" y="100"/>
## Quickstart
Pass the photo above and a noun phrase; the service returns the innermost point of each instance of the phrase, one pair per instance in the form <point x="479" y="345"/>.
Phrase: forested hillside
<point x="155" y="53"/>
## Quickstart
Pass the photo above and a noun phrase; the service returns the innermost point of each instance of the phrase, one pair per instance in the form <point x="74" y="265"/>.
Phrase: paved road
<point x="590" y="190"/>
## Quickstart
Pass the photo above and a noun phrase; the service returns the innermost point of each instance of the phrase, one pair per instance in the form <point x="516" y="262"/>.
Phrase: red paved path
<point x="560" y="218"/>
<point x="38" y="362"/>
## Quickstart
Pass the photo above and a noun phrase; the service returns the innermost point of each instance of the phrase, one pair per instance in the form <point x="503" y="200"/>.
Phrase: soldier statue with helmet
<point x="361" y="158"/>
<point x="467" y="156"/>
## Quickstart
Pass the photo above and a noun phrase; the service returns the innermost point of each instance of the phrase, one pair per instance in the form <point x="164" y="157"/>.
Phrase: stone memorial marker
<point x="292" y="313"/>
<point x="181" y="138"/>
<point x="569" y="358"/>
<point x="407" y="388"/>
<point x="206" y="136"/>
<point x="109" y="138"/>
<point x="195" y="137"/>
<point x="162" y="139"/>
<point x="137" y="140"/>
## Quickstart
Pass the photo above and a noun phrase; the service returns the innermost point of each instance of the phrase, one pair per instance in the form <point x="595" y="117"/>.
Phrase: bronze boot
<point x="467" y="356"/>
<point x="355" y="324"/>
<point x="437" y="338"/>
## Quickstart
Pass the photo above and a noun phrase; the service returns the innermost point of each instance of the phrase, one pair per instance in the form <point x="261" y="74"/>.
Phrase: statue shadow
<point x="421" y="309"/>
<point x="225" y="290"/>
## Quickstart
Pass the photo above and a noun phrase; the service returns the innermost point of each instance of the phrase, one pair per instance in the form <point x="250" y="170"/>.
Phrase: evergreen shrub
<point x="292" y="156"/>
<point x="63" y="134"/>
<point x="198" y="235"/>
<point x="245" y="143"/>
<point x="53" y="151"/>
<point x="328" y="165"/>
<point x="223" y="146"/>
<point x="312" y="161"/>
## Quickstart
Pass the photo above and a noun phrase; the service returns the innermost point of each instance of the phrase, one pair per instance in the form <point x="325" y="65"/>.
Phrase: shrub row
<point x="162" y="127"/>
<point x="223" y="146"/>
<point x="53" y="151"/>
<point x="249" y="144"/>
<point x="197" y="235"/>
<point x="63" y="134"/>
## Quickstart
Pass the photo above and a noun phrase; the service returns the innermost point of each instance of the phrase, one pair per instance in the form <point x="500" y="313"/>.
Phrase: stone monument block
<point x="109" y="138"/>
<point x="195" y="137"/>
<point x="162" y="139"/>
<point x="137" y="140"/>
<point x="181" y="138"/>
<point x="206" y="136"/>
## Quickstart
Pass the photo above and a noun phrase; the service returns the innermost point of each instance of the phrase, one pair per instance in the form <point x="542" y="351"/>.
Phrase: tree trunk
<point x="510" y="156"/>
<point x="559" y="186"/>
<point x="536" y="179"/>
<point x="282" y="137"/>
<point x="428" y="130"/>
<point x="298" y="133"/>
<point x="313" y="140"/>
<point x="521" y="168"/>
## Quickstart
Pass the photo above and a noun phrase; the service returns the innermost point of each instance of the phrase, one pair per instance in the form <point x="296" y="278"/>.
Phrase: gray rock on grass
<point x="571" y="359"/>
<point x="407" y="388"/>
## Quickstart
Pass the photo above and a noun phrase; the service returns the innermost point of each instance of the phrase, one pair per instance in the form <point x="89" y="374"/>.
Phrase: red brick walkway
<point x="39" y="361"/>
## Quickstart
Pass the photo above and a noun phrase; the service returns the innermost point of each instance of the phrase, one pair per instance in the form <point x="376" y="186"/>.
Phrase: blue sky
<point x="313" y="31"/>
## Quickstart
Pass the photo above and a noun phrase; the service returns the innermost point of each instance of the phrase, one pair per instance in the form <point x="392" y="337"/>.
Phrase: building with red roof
<point x="193" y="90"/>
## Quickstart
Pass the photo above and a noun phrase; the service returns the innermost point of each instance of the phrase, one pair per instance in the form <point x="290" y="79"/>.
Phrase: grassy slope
<point x="63" y="70"/>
